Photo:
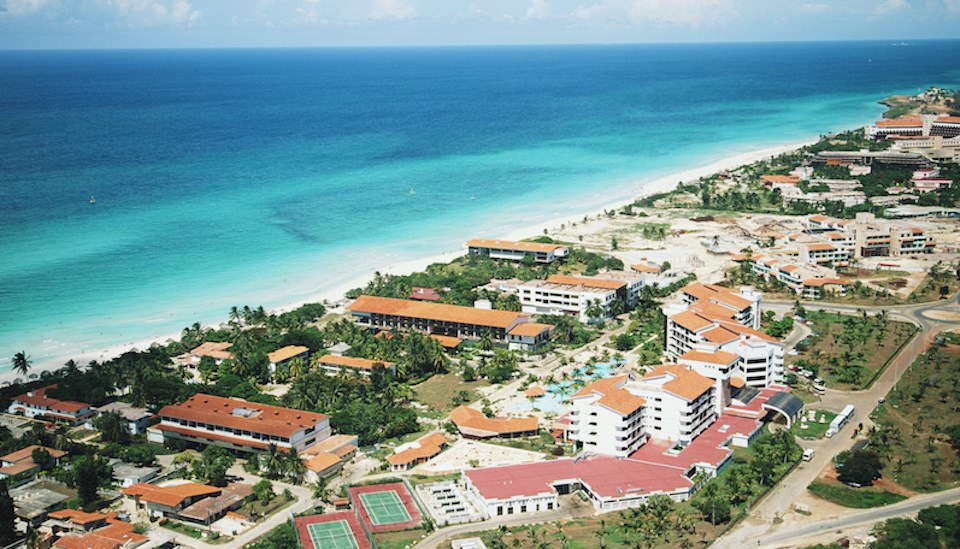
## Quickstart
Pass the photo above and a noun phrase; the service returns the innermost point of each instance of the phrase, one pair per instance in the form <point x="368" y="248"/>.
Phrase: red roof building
<point x="36" y="403"/>
<point x="237" y="424"/>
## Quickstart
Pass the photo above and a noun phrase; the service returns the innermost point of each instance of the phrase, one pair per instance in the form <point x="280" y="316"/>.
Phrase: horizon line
<point x="907" y="41"/>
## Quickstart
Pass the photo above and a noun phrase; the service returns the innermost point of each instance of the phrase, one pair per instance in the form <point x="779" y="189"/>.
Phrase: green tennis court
<point x="384" y="507"/>
<point x="332" y="535"/>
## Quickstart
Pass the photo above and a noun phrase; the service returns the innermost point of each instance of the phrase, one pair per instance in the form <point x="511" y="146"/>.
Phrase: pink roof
<point x="608" y="477"/>
<point x="706" y="448"/>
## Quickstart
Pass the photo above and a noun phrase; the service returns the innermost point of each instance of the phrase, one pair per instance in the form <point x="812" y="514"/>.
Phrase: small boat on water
<point x="412" y="191"/>
<point x="93" y="200"/>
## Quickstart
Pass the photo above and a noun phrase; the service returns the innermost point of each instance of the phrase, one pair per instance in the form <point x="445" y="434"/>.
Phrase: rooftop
<point x="237" y="413"/>
<point x="170" y="496"/>
<point x="352" y="362"/>
<point x="286" y="353"/>
<point x="434" y="311"/>
<point x="213" y="349"/>
<point x="682" y="382"/>
<point x="467" y="418"/>
<point x="514" y="245"/>
<point x="38" y="398"/>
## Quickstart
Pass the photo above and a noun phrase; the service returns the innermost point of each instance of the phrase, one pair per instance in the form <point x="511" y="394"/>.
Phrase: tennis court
<point x="384" y="507"/>
<point x="332" y="535"/>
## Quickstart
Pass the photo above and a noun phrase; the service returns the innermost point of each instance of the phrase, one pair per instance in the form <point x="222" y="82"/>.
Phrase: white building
<point x="516" y="251"/>
<point x="571" y="296"/>
<point x="137" y="419"/>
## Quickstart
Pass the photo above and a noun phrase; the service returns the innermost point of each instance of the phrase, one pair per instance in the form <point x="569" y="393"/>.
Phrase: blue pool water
<point x="554" y="401"/>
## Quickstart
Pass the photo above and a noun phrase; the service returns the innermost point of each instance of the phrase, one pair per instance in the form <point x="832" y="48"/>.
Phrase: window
<point x="523" y="508"/>
<point x="499" y="510"/>
<point x="550" y="506"/>
<point x="510" y="510"/>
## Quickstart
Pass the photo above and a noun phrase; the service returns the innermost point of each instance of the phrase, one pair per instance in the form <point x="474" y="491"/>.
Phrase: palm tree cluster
<point x="658" y="521"/>
<point x="275" y="464"/>
<point x="416" y="355"/>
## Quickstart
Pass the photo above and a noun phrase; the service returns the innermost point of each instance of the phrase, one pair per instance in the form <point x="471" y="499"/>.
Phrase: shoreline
<point x="630" y="192"/>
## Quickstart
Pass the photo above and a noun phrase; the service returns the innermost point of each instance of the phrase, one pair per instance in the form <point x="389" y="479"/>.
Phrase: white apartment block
<point x="727" y="322"/>
<point x="805" y="277"/>
<point x="573" y="295"/>
<point x="615" y="416"/>
<point x="867" y="236"/>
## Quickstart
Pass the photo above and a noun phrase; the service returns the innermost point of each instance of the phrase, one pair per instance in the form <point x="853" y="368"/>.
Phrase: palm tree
<point x="601" y="535"/>
<point x="295" y="368"/>
<point x="321" y="490"/>
<point x="271" y="463"/>
<point x="21" y="363"/>
<point x="293" y="467"/>
<point x="485" y="343"/>
<point x="437" y="357"/>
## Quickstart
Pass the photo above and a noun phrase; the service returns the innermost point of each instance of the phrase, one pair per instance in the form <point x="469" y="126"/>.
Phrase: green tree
<point x="89" y="473"/>
<point x="898" y="533"/>
<point x="112" y="427"/>
<point x="40" y="456"/>
<point x="213" y="464"/>
<point x="21" y="363"/>
<point x="263" y="491"/>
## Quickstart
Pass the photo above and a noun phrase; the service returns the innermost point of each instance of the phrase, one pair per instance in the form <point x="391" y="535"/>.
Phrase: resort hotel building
<point x="574" y="295"/>
<point x="36" y="403"/>
<point x="505" y="327"/>
<point x="717" y="322"/>
<point x="239" y="425"/>
<point x="517" y="251"/>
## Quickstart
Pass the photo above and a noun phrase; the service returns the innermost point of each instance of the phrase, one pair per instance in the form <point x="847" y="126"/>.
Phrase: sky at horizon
<point x="76" y="24"/>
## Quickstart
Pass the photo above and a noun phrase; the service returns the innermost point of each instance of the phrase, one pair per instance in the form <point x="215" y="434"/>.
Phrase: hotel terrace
<point x="237" y="424"/>
<point x="927" y="125"/>
<point x="507" y="327"/>
<point x="516" y="251"/>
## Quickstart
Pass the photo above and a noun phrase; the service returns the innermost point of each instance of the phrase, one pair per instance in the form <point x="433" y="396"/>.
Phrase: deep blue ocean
<point x="232" y="177"/>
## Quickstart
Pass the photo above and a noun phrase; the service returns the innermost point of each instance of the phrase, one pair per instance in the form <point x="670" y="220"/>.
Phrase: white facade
<point x="546" y="298"/>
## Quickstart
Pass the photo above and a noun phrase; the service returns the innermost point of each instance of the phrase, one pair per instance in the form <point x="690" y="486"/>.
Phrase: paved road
<point x="779" y="501"/>
<point x="798" y="535"/>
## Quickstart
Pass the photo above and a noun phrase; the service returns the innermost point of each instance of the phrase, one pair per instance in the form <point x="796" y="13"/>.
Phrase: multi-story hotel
<point x="615" y="416"/>
<point x="809" y="279"/>
<point x="386" y="313"/>
<point x="237" y="424"/>
<point x="574" y="295"/>
<point x="712" y="318"/>
<point x="867" y="236"/>
<point x="516" y="251"/>
<point x="334" y="364"/>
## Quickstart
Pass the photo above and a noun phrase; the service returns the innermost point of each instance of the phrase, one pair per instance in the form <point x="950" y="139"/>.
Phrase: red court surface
<point x="306" y="541"/>
<point x="411" y="507"/>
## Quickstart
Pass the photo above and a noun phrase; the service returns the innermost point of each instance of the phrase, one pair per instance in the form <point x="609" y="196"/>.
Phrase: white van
<point x="808" y="454"/>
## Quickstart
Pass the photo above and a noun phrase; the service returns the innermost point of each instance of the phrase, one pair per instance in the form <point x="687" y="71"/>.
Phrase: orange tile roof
<point x="820" y="247"/>
<point x="170" y="496"/>
<point x="434" y="311"/>
<point x="448" y="342"/>
<point x="819" y="218"/>
<point x="264" y="418"/>
<point x="352" y="362"/>
<point x="690" y="320"/>
<point x="117" y="534"/>
<point x="715" y="357"/>
<point x="530" y="329"/>
<point x="775" y="178"/>
<point x="77" y="517"/>
<point x="789" y="268"/>
<point x="686" y="383"/>
<point x="737" y="382"/>
<point x="27" y="453"/>
<point x="426" y="448"/>
<point x="817" y="282"/>
<point x="719" y="335"/>
<point x="718" y="294"/>
<point x="286" y="353"/>
<point x="587" y="282"/>
<point x="535" y="391"/>
<point x="213" y="349"/>
<point x="514" y="245"/>
<point x="465" y="417"/>
<point x="949" y="119"/>
<point x="321" y="462"/>
<point x="712" y="311"/>
<point x="612" y="395"/>
<point x="644" y="268"/>
<point x="38" y="398"/>
<point x="740" y="329"/>
<point x="903" y="122"/>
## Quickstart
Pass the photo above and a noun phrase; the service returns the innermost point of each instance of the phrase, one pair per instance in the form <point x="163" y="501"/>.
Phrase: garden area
<point x="814" y="429"/>
<point x="399" y="540"/>
<point x="439" y="392"/>
<point x="857" y="498"/>
<point x="848" y="352"/>
<point x="918" y="426"/>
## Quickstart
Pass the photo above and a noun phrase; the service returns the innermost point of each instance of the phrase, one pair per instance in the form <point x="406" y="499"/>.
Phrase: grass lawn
<point x="814" y="429"/>
<point x="849" y="351"/>
<point x="254" y="508"/>
<point x="909" y="424"/>
<point x="398" y="540"/>
<point x="424" y="479"/>
<point x="543" y="443"/>
<point x="857" y="498"/>
<point x="437" y="392"/>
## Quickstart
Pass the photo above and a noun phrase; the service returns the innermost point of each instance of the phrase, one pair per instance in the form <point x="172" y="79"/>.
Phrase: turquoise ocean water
<point x="232" y="177"/>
